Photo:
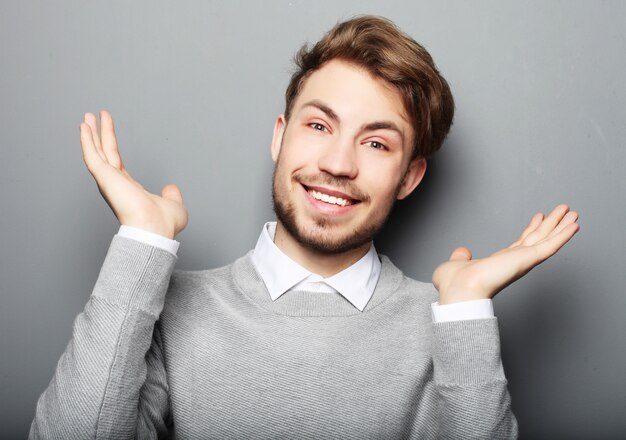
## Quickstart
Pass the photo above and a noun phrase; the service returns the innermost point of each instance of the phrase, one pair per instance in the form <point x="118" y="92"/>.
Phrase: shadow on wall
<point x="409" y="215"/>
<point x="543" y="342"/>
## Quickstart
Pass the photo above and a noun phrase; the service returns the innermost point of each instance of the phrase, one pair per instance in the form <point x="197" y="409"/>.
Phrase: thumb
<point x="461" y="254"/>
<point x="171" y="192"/>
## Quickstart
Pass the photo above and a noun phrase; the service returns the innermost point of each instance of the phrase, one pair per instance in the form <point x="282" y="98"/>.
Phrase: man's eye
<point x="377" y="145"/>
<point x="317" y="126"/>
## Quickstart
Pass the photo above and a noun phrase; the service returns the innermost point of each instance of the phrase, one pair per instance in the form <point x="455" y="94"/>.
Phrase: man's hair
<point x="377" y="45"/>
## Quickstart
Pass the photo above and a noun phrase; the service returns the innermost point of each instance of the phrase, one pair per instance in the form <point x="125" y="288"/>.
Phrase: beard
<point x="325" y="236"/>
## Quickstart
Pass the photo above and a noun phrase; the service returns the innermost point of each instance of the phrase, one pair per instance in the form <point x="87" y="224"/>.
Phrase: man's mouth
<point x="334" y="198"/>
<point x="329" y="199"/>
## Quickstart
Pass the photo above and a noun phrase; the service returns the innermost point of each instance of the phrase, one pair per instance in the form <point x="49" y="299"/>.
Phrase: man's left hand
<point x="464" y="279"/>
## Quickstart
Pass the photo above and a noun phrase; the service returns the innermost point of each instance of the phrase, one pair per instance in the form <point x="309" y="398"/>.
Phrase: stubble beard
<point x="323" y="237"/>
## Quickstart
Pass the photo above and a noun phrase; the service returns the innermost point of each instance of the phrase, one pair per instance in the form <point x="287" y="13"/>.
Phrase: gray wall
<point x="194" y="88"/>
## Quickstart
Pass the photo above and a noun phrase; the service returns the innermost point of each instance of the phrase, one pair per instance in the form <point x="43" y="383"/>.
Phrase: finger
<point x="171" y="192"/>
<point x="90" y="154"/>
<point x="534" y="223"/>
<point x="90" y="120"/>
<point x="567" y="220"/>
<point x="109" y="140"/>
<point x="549" y="247"/>
<point x="461" y="254"/>
<point x="547" y="226"/>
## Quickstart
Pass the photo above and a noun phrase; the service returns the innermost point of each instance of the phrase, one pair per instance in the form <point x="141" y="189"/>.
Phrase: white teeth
<point x="329" y="199"/>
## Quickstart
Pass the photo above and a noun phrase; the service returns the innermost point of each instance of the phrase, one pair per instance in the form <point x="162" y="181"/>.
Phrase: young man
<point x="311" y="334"/>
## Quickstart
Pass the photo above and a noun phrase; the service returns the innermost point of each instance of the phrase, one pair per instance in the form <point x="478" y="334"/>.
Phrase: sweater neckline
<point x="311" y="304"/>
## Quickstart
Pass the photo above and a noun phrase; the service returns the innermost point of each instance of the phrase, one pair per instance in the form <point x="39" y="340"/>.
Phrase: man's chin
<point x="327" y="238"/>
<point x="330" y="247"/>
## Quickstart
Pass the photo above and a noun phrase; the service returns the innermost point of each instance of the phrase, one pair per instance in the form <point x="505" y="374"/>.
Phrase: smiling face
<point x="342" y="160"/>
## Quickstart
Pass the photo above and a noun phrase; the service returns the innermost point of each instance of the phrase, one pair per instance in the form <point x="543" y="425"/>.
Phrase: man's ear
<point x="412" y="178"/>
<point x="277" y="139"/>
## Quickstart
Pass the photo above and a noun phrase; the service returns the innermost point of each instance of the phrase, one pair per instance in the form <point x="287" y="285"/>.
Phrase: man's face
<point x="342" y="159"/>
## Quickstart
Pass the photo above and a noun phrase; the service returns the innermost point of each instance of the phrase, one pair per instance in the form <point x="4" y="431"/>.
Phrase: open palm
<point x="463" y="278"/>
<point x="132" y="204"/>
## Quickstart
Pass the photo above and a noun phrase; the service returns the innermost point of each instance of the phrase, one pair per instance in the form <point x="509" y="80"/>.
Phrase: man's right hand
<point x="132" y="204"/>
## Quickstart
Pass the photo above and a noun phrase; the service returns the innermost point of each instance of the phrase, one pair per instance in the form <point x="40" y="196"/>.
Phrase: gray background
<point x="194" y="88"/>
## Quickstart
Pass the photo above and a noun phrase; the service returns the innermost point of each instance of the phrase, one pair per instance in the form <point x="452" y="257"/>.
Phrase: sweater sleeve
<point x="474" y="401"/>
<point x="110" y="380"/>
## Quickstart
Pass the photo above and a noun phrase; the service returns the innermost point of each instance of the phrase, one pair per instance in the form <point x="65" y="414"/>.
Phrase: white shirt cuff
<point x="149" y="238"/>
<point x="475" y="309"/>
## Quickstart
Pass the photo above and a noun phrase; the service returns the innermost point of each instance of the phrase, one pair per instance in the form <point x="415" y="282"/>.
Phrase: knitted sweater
<point x="207" y="354"/>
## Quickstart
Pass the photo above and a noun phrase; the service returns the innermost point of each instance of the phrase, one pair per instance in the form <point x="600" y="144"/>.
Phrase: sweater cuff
<point x="467" y="352"/>
<point x="135" y="275"/>
<point x="149" y="238"/>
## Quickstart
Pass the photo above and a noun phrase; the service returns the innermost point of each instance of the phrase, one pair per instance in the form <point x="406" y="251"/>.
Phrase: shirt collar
<point x="280" y="273"/>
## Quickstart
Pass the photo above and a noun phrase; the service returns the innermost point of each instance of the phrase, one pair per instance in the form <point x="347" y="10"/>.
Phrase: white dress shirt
<point x="281" y="274"/>
<point x="355" y="283"/>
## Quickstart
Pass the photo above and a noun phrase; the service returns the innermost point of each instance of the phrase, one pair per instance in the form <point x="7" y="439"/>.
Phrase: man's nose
<point x="339" y="159"/>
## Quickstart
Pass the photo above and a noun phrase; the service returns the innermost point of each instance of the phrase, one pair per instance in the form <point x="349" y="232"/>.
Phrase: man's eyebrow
<point x="377" y="125"/>
<point x="384" y="125"/>
<point x="323" y="107"/>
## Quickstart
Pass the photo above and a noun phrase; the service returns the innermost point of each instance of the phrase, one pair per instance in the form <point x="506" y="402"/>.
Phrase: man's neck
<point x="319" y="263"/>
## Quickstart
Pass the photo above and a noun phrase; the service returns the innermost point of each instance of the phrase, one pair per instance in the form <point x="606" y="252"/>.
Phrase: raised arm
<point x="110" y="381"/>
<point x="468" y="372"/>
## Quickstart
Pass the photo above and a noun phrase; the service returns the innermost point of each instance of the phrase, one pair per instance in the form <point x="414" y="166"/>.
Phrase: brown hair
<point x="377" y="45"/>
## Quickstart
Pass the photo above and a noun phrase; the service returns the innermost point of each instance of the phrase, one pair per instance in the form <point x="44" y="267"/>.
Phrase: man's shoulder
<point x="199" y="300"/>
<point x="418" y="290"/>
<point x="409" y="289"/>
<point x="207" y="278"/>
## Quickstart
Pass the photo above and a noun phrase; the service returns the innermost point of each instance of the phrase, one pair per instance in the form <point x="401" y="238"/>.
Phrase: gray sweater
<point x="208" y="355"/>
